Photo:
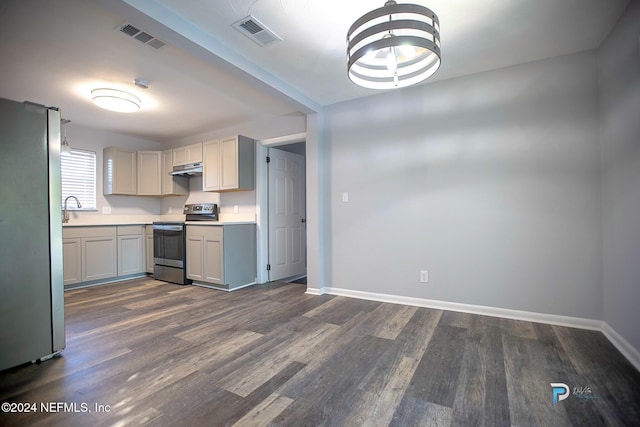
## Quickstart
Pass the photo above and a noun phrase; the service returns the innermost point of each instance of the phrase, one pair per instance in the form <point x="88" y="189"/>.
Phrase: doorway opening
<point x="281" y="210"/>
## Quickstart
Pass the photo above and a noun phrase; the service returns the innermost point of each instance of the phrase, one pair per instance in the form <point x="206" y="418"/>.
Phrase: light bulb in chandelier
<point x="392" y="60"/>
<point x="407" y="51"/>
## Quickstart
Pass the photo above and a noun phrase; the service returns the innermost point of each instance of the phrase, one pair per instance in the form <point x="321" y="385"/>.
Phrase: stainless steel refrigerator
<point x="31" y="287"/>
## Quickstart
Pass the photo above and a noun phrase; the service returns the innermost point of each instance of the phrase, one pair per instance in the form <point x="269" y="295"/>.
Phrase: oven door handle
<point x="168" y="227"/>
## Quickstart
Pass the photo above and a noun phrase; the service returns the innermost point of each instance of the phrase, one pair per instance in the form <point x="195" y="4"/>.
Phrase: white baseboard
<point x="221" y="288"/>
<point x="315" y="291"/>
<point x="105" y="281"/>
<point x="553" y="319"/>
<point x="294" y="278"/>
<point x="630" y="352"/>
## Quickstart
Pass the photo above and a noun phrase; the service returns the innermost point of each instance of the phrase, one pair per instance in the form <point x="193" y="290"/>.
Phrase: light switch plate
<point x="424" y="276"/>
<point x="345" y="197"/>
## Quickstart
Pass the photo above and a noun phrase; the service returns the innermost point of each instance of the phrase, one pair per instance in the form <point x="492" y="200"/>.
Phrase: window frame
<point x="85" y="191"/>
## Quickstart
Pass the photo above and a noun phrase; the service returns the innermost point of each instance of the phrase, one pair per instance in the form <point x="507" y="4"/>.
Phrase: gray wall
<point x="491" y="182"/>
<point x="619" y="63"/>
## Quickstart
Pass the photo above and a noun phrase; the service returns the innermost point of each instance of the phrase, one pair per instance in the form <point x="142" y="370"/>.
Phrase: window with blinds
<point x="79" y="179"/>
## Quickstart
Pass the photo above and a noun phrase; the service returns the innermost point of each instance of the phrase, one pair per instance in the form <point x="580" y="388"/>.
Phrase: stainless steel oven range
<point x="201" y="212"/>
<point x="169" y="252"/>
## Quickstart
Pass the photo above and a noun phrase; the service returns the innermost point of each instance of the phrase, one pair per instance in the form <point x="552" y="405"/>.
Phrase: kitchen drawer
<point x="93" y="231"/>
<point x="124" y="230"/>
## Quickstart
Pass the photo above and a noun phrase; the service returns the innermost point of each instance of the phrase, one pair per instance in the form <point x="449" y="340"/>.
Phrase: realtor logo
<point x="560" y="392"/>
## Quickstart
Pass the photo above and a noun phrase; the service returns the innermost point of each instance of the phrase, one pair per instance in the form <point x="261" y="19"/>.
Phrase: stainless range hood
<point x="190" y="169"/>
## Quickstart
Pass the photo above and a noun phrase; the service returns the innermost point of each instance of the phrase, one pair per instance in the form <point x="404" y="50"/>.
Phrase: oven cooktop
<point x="201" y="212"/>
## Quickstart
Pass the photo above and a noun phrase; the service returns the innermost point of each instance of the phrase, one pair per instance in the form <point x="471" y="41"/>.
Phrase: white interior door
<point x="287" y="227"/>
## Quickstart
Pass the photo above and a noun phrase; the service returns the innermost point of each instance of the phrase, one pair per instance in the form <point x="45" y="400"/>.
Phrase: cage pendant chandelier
<point x="395" y="46"/>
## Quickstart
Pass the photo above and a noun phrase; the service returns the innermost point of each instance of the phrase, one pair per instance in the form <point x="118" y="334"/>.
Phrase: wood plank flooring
<point x="160" y="354"/>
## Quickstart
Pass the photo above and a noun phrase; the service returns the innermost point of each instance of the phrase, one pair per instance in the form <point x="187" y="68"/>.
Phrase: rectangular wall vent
<point x="140" y="35"/>
<point x="256" y="31"/>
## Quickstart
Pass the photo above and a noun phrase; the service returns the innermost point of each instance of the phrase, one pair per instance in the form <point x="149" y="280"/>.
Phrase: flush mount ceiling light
<point x="115" y="100"/>
<point x="395" y="46"/>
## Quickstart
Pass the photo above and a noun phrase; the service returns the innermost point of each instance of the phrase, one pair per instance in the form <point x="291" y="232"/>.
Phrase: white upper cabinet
<point x="229" y="164"/>
<point x="188" y="154"/>
<point x="142" y="173"/>
<point x="120" y="171"/>
<point x="149" y="173"/>
<point x="172" y="185"/>
<point x="211" y="166"/>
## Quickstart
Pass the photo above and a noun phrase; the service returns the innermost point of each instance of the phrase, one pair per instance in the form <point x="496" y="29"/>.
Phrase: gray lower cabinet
<point x="204" y="255"/>
<point x="223" y="256"/>
<point x="149" y="248"/>
<point x="99" y="258"/>
<point x="72" y="260"/>
<point x="100" y="253"/>
<point x="131" y="255"/>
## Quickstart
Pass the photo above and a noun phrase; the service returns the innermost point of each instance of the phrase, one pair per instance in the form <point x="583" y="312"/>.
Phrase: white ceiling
<point x="54" y="52"/>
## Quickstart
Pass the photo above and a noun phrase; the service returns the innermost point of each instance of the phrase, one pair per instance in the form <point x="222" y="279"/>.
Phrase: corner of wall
<point x="629" y="351"/>
<point x="315" y="291"/>
<point x="618" y="89"/>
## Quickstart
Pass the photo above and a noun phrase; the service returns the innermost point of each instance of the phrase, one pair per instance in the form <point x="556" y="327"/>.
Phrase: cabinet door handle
<point x="303" y="220"/>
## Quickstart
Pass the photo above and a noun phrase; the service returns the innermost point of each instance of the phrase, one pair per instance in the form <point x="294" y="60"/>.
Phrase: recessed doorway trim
<point x="262" y="197"/>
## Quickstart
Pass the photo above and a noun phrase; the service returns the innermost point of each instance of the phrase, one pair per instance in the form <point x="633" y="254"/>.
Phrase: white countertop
<point x="103" y="225"/>
<point x="98" y="220"/>
<point x="113" y="224"/>
<point x="218" y="222"/>
<point x="113" y="220"/>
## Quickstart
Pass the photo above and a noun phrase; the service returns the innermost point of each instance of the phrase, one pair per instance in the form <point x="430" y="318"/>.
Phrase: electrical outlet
<point x="424" y="276"/>
<point x="106" y="210"/>
<point x="170" y="210"/>
<point x="236" y="209"/>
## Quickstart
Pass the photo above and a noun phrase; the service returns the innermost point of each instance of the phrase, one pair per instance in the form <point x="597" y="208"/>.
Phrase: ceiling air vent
<point x="256" y="31"/>
<point x="140" y="35"/>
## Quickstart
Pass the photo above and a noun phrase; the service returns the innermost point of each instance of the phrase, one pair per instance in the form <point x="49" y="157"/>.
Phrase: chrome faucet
<point x="65" y="217"/>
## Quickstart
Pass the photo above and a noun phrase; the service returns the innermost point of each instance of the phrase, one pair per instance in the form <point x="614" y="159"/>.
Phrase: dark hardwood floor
<point x="161" y="354"/>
